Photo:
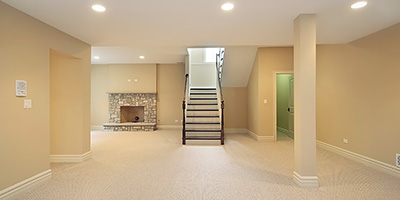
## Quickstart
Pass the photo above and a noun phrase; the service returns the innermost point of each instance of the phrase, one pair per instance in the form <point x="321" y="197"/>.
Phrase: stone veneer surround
<point x="148" y="100"/>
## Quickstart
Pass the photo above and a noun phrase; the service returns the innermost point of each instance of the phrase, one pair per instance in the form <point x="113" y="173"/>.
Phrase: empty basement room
<point x="181" y="100"/>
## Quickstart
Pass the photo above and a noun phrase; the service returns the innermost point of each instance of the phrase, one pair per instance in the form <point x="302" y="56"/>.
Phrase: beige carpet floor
<point x="154" y="165"/>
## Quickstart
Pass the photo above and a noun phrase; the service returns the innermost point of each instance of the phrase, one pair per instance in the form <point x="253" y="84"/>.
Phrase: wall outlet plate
<point x="398" y="159"/>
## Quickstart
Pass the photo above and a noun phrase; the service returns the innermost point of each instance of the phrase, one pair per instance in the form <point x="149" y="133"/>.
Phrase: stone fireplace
<point x="124" y="108"/>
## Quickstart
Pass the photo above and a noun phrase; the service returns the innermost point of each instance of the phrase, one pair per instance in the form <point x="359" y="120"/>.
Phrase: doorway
<point x="283" y="105"/>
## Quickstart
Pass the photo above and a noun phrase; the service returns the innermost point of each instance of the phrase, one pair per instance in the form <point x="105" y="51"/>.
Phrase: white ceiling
<point x="161" y="30"/>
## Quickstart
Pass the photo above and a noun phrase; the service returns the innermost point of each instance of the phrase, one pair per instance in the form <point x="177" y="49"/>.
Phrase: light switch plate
<point x="27" y="103"/>
<point x="398" y="159"/>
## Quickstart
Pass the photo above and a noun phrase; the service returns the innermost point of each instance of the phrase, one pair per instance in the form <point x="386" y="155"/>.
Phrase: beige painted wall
<point x="358" y="95"/>
<point x="252" y="98"/>
<point x="168" y="80"/>
<point x="260" y="87"/>
<point x="99" y="105"/>
<point x="25" y="45"/>
<point x="119" y="74"/>
<point x="114" y="78"/>
<point x="170" y="84"/>
<point x="235" y="113"/>
<point x="67" y="98"/>
<point x="170" y="87"/>
<point x="270" y="59"/>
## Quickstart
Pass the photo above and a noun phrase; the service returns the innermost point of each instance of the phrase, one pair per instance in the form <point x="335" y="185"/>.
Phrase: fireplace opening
<point x="132" y="114"/>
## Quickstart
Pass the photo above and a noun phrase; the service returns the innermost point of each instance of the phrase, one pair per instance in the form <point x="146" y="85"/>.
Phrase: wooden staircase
<point x="203" y="108"/>
<point x="203" y="116"/>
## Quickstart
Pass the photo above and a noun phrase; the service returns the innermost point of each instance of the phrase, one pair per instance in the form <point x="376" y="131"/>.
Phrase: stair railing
<point x="185" y="94"/>
<point x="219" y="65"/>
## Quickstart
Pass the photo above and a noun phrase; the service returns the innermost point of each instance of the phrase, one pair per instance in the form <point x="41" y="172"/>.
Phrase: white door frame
<point x="274" y="125"/>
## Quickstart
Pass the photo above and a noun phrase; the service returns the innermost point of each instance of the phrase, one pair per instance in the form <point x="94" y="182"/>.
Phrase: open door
<point x="291" y="107"/>
<point x="283" y="105"/>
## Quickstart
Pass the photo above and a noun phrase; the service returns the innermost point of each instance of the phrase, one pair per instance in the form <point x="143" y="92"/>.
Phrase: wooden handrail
<point x="220" y="90"/>
<point x="185" y="89"/>
<point x="184" y="109"/>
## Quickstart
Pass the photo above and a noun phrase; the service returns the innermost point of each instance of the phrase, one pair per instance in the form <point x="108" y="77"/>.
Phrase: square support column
<point x="305" y="174"/>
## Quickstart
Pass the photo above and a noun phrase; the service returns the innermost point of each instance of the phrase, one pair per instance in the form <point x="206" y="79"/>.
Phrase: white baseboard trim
<point x="96" y="127"/>
<point x="235" y="130"/>
<point x="70" y="158"/>
<point x="305" y="181"/>
<point x="282" y="130"/>
<point x="24" y="185"/>
<point x="261" y="138"/>
<point x="375" y="164"/>
<point x="163" y="127"/>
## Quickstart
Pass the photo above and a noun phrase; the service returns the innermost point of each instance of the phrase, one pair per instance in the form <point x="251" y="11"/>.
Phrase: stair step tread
<point x="203" y="116"/>
<point x="202" y="104"/>
<point x="203" y="88"/>
<point x="203" y="93"/>
<point x="202" y="138"/>
<point x="203" y="123"/>
<point x="203" y="130"/>
<point x="202" y="110"/>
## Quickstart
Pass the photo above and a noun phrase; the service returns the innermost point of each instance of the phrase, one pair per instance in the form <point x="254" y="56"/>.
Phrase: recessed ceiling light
<point x="227" y="6"/>
<point x="98" y="8"/>
<point x="129" y="80"/>
<point x="136" y="80"/>
<point x="359" y="4"/>
<point x="141" y="57"/>
<point x="96" y="57"/>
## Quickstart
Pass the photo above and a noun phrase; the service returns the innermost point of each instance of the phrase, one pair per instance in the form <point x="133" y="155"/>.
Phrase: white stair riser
<point x="189" y="119"/>
<point x="202" y="101"/>
<point x="189" y="113"/>
<point x="203" y="142"/>
<point x="211" y="95"/>
<point x="195" y="90"/>
<point x="202" y="106"/>
<point x="203" y="96"/>
<point x="203" y="126"/>
<point x="189" y="134"/>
